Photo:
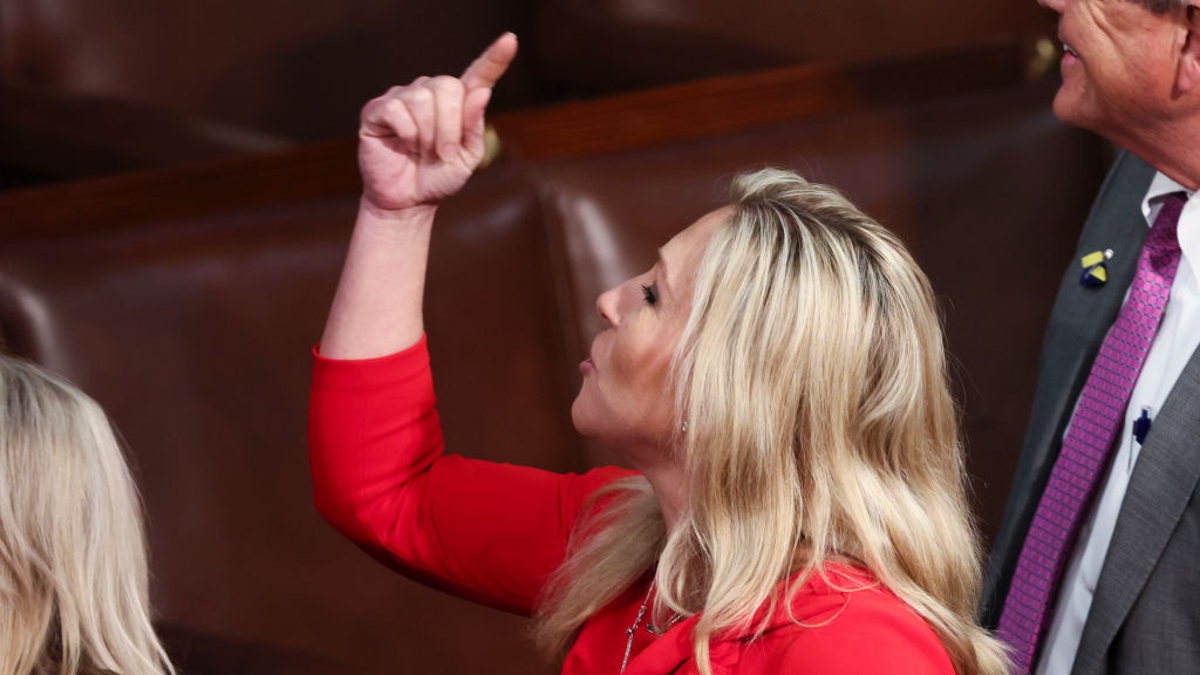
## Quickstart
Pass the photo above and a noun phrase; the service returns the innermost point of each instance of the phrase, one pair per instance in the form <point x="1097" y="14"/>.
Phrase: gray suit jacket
<point x="1145" y="615"/>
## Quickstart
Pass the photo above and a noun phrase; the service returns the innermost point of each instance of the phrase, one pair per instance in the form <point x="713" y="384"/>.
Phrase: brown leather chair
<point x="589" y="47"/>
<point x="100" y="87"/>
<point x="105" y="86"/>
<point x="299" y="71"/>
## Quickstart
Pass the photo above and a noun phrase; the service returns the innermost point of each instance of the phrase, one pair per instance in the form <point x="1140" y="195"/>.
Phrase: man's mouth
<point x="1068" y="49"/>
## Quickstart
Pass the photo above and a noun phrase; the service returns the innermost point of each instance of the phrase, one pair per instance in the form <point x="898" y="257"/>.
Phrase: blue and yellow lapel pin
<point x="1095" y="269"/>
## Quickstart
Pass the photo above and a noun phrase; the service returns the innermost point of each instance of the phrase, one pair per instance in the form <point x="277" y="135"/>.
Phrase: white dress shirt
<point x="1178" y="336"/>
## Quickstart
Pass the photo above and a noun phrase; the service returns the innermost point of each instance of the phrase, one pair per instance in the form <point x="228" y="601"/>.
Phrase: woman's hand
<point x="420" y="143"/>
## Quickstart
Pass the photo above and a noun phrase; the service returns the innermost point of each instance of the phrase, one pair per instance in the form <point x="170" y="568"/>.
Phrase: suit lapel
<point x="1084" y="314"/>
<point x="1162" y="484"/>
<point x="1078" y="324"/>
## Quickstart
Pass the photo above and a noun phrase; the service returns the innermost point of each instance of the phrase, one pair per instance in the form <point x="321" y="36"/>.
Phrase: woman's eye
<point x="651" y="293"/>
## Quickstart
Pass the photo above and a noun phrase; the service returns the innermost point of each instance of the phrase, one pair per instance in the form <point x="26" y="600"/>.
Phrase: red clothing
<point x="495" y="532"/>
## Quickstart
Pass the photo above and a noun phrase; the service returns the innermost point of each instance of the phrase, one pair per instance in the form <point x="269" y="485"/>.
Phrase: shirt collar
<point x="1189" y="221"/>
<point x="1161" y="185"/>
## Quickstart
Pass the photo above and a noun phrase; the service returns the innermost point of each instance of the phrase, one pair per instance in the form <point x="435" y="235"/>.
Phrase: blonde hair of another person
<point x="820" y="427"/>
<point x="73" y="576"/>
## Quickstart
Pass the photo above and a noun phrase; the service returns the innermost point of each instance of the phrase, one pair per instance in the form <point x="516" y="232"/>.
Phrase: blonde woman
<point x="73" y="580"/>
<point x="777" y="380"/>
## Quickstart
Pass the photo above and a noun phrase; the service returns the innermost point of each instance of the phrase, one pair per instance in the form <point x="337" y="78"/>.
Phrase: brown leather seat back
<point x="298" y="70"/>
<point x="195" y="335"/>
<point x="591" y="46"/>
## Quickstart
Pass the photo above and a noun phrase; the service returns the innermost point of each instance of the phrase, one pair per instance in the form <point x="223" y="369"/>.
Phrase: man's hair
<point x="1161" y="6"/>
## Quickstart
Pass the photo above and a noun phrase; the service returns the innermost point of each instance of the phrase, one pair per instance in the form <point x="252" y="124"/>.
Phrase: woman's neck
<point x="669" y="486"/>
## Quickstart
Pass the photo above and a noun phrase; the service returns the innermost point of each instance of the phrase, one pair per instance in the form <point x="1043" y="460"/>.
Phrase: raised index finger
<point x="486" y="70"/>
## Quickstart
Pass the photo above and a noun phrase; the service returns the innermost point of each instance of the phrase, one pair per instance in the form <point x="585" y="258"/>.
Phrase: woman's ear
<point x="1188" y="78"/>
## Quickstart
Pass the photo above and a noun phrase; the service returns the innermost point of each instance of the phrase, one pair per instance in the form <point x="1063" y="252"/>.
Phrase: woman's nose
<point x="608" y="306"/>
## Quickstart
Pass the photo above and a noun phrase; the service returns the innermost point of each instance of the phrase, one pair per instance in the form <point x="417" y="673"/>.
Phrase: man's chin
<point x="1067" y="107"/>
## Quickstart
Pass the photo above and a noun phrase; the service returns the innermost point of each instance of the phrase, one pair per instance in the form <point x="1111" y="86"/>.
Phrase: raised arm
<point x="418" y="144"/>
<point x="489" y="532"/>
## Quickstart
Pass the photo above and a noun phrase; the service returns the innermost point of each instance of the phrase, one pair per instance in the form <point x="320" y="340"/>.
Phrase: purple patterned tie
<point x="1098" y="418"/>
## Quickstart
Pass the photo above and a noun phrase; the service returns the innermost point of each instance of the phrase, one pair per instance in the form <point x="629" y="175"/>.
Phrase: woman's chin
<point x="579" y="418"/>
<point x="591" y="426"/>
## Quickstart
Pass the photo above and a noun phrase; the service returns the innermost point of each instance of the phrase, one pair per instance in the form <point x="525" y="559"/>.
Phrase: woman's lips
<point x="586" y="366"/>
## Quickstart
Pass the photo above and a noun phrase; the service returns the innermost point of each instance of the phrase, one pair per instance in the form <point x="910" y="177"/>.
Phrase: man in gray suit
<point x="1096" y="567"/>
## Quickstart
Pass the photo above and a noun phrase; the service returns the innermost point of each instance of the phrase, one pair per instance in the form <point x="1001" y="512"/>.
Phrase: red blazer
<point x="494" y="533"/>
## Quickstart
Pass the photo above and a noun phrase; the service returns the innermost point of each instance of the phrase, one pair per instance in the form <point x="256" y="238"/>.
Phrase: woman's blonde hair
<point x="820" y="427"/>
<point x="73" y="577"/>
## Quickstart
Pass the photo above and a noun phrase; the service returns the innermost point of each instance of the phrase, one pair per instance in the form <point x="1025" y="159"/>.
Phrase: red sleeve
<point x="488" y="532"/>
